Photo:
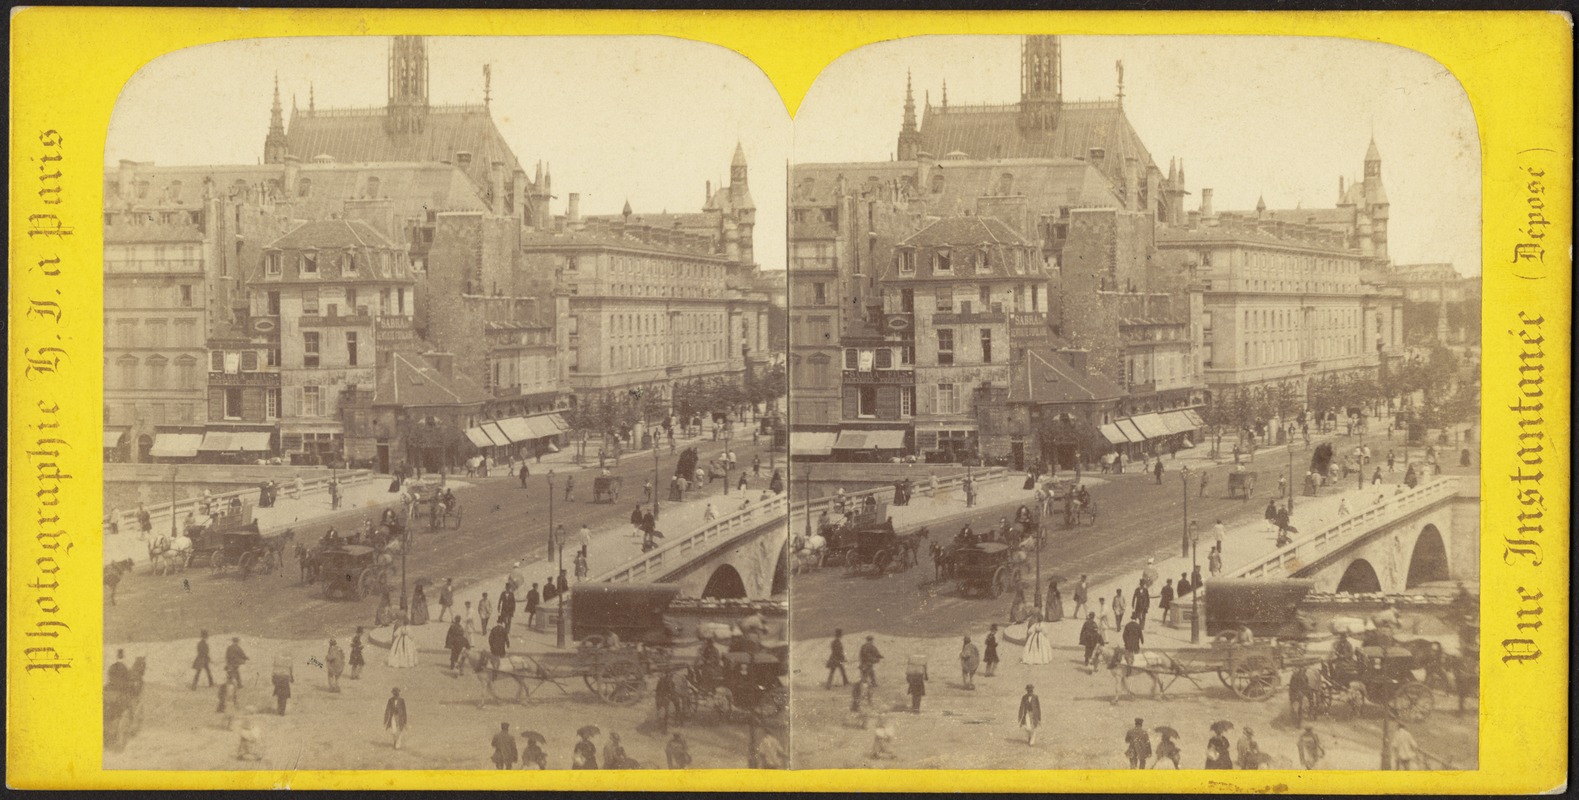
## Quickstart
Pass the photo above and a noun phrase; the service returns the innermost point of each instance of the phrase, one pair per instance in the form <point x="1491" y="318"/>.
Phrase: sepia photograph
<point x="419" y="455"/>
<point x="1134" y="415"/>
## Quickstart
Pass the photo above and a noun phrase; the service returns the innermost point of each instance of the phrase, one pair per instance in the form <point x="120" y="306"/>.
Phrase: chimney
<point x="708" y="199"/>
<point x="293" y="168"/>
<point x="1206" y="204"/>
<point x="1097" y="156"/>
<point x="497" y="184"/>
<point x="443" y="363"/>
<point x="573" y="212"/>
<point x="1077" y="359"/>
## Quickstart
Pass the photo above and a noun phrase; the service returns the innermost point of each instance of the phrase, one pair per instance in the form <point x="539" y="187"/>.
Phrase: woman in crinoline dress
<point x="1038" y="644"/>
<point x="402" y="650"/>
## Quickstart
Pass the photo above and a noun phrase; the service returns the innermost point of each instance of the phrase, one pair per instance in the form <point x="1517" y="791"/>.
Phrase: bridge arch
<point x="1428" y="562"/>
<point x="1359" y="578"/>
<point x="725" y="583"/>
<point x="781" y="572"/>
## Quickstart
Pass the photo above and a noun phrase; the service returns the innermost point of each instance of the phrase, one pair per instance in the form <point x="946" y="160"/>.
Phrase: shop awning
<point x="812" y="443"/>
<point x="1177" y="422"/>
<point x="1195" y="419"/>
<point x="478" y="438"/>
<point x="112" y="438"/>
<point x="176" y="445"/>
<point x="1113" y="434"/>
<point x="559" y="422"/>
<point x="497" y="434"/>
<point x="870" y="440"/>
<point x="516" y="429"/>
<point x="1151" y="425"/>
<point x="251" y="441"/>
<point x="1128" y="427"/>
<point x="540" y="427"/>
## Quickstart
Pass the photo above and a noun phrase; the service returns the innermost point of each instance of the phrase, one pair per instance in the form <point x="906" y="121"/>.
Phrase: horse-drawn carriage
<point x="880" y="549"/>
<point x="606" y="488"/>
<point x="1388" y="675"/>
<point x="250" y="550"/>
<point x="986" y="568"/>
<point x="351" y="570"/>
<point x="435" y="501"/>
<point x="1241" y="484"/>
<point x="748" y="679"/>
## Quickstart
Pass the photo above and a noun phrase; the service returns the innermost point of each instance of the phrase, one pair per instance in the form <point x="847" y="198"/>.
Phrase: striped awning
<point x="870" y="440"/>
<point x="1114" y="434"/>
<point x="112" y="437"/>
<point x="1128" y="427"/>
<point x="176" y="445"/>
<point x="540" y="427"/>
<point x="516" y="429"/>
<point x="1177" y="422"/>
<point x="1151" y="425"/>
<point x="235" y="442"/>
<point x="1195" y="419"/>
<point x="478" y="438"/>
<point x="497" y="434"/>
<point x="812" y="443"/>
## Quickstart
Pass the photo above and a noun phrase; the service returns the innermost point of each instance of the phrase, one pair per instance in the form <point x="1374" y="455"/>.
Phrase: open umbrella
<point x="588" y="731"/>
<point x="534" y="736"/>
<point x="1222" y="725"/>
<point x="1166" y="732"/>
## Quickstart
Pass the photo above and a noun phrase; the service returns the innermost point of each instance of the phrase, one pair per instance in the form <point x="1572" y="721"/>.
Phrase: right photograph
<point x="1134" y="406"/>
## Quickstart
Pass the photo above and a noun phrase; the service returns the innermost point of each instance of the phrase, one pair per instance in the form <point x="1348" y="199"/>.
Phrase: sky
<point x="650" y="119"/>
<point x="1282" y="117"/>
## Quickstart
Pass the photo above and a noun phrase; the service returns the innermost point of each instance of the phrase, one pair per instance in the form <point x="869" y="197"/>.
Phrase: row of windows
<point x="152" y="413"/>
<point x="153" y="258"/>
<point x="312" y="348"/>
<point x="945" y="260"/>
<point x="129" y="332"/>
<point x="153" y="372"/>
<point x="946" y="351"/>
<point x="314" y="263"/>
<point x="176" y="295"/>
<point x="658" y="269"/>
<point x="980" y="298"/>
<point x="867" y="359"/>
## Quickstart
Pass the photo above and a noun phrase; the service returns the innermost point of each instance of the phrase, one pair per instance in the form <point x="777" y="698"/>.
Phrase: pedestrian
<point x="506" y="607"/>
<point x="1205" y="479"/>
<point x="583" y="536"/>
<point x="334" y="493"/>
<point x="1249" y="750"/>
<point x="145" y="521"/>
<point x="419" y="606"/>
<point x="1141" y="605"/>
<point x="334" y="664"/>
<point x="1214" y="561"/>
<point x="533" y="602"/>
<point x="677" y="751"/>
<point x="1017" y="605"/>
<point x="1134" y="637"/>
<point x="741" y="486"/>
<point x="402" y="648"/>
<point x="1376" y="477"/>
<point x="1404" y="748"/>
<point x="200" y="664"/>
<point x="1298" y="694"/>
<point x="585" y="754"/>
<point x="523" y="473"/>
<point x="916" y="680"/>
<point x="1137" y="745"/>
<point x="1282" y="486"/>
<point x="395" y="719"/>
<point x="1167" y="748"/>
<point x="1080" y="599"/>
<point x="533" y="753"/>
<point x="1165" y="602"/>
<point x="498" y="644"/>
<point x="836" y="659"/>
<point x="1030" y="714"/>
<point x="447" y="599"/>
<point x="250" y="746"/>
<point x="756" y="463"/>
<point x="1311" y="749"/>
<point x="1158" y="471"/>
<point x="1217" y="751"/>
<point x="582" y="569"/>
<point x="357" y="660"/>
<point x="1185" y="587"/>
<point x="570" y="488"/>
<point x="455" y="641"/>
<point x="1118" y="609"/>
<point x="989" y="656"/>
<point x="708" y="514"/>
<point x="284" y="676"/>
<point x="1391" y="458"/>
<point x="1054" y="602"/>
<point x="869" y="656"/>
<point x="1217" y="532"/>
<point x="1091" y="639"/>
<point x="234" y="658"/>
<point x="484" y="611"/>
<point x="883" y="738"/>
<point x="504" y="752"/>
<point x="228" y="695"/>
<point x="467" y="617"/>
<point x="969" y="660"/>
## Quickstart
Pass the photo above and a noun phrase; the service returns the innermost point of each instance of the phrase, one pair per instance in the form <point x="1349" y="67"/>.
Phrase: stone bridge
<point x="1427" y="535"/>
<point x="740" y="555"/>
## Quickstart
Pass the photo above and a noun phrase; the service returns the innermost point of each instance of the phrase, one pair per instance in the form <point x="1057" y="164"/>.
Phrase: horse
<point x="112" y="575"/>
<point x="307" y="560"/>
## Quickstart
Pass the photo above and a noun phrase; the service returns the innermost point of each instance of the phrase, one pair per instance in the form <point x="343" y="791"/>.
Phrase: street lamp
<point x="1291" y="491"/>
<point x="173" y="470"/>
<point x="559" y="633"/>
<point x="1184" y="479"/>
<point x="808" y="504"/>
<point x="726" y="456"/>
<point x="1195" y="591"/>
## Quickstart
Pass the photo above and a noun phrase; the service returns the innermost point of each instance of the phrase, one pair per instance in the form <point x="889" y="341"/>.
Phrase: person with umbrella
<point x="678" y="752"/>
<point x="1218" y="754"/>
<point x="585" y="754"/>
<point x="1167" y="748"/>
<point x="1311" y="750"/>
<point x="504" y="752"/>
<point x="1137" y="744"/>
<point x="534" y="752"/>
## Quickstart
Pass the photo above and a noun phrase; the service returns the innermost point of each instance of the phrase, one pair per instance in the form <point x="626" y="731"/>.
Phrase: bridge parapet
<point x="1310" y="548"/>
<point x="886" y="493"/>
<point x="652" y="566"/>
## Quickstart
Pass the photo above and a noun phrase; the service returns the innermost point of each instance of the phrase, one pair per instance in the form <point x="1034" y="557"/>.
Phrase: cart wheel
<point x="618" y="682"/>
<point x="884" y="561"/>
<point x="1001" y="581"/>
<point x="1254" y="678"/>
<point x="1413" y="702"/>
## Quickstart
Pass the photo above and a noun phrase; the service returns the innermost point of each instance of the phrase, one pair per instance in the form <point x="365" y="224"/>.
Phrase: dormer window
<point x="310" y="263"/>
<point x="272" y="263"/>
<point x="942" y="262"/>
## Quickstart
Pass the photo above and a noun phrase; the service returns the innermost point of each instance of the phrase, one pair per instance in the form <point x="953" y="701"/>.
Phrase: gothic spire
<point x="910" y="105"/>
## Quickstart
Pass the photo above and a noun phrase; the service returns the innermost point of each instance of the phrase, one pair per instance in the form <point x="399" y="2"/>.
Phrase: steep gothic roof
<point x="358" y="135"/>
<point x="1047" y="183"/>
<point x="993" y="131"/>
<point x="409" y="380"/>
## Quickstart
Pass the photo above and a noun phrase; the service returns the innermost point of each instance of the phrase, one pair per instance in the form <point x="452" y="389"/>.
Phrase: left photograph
<point x="419" y="455"/>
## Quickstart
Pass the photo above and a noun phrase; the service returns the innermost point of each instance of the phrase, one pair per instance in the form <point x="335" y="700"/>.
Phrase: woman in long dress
<point x="419" y="607"/>
<point x="402" y="650"/>
<point x="1038" y="645"/>
<point x="1055" y="603"/>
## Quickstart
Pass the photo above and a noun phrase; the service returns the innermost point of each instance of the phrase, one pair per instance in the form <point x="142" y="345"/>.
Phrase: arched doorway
<point x="781" y="572"/>
<point x="1359" y="578"/>
<point x="1428" y="563"/>
<point x="725" y="583"/>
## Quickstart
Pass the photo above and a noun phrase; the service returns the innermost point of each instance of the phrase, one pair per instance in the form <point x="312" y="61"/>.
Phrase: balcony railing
<point x="343" y="321"/>
<point x="883" y="376"/>
<point x="961" y="318"/>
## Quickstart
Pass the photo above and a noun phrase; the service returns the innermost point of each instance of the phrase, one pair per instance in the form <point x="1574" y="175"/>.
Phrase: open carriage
<point x="606" y="488"/>
<point x="352" y="570"/>
<point x="436" y="503"/>
<point x="1241" y="484"/>
<point x="881" y="550"/>
<point x="984" y="568"/>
